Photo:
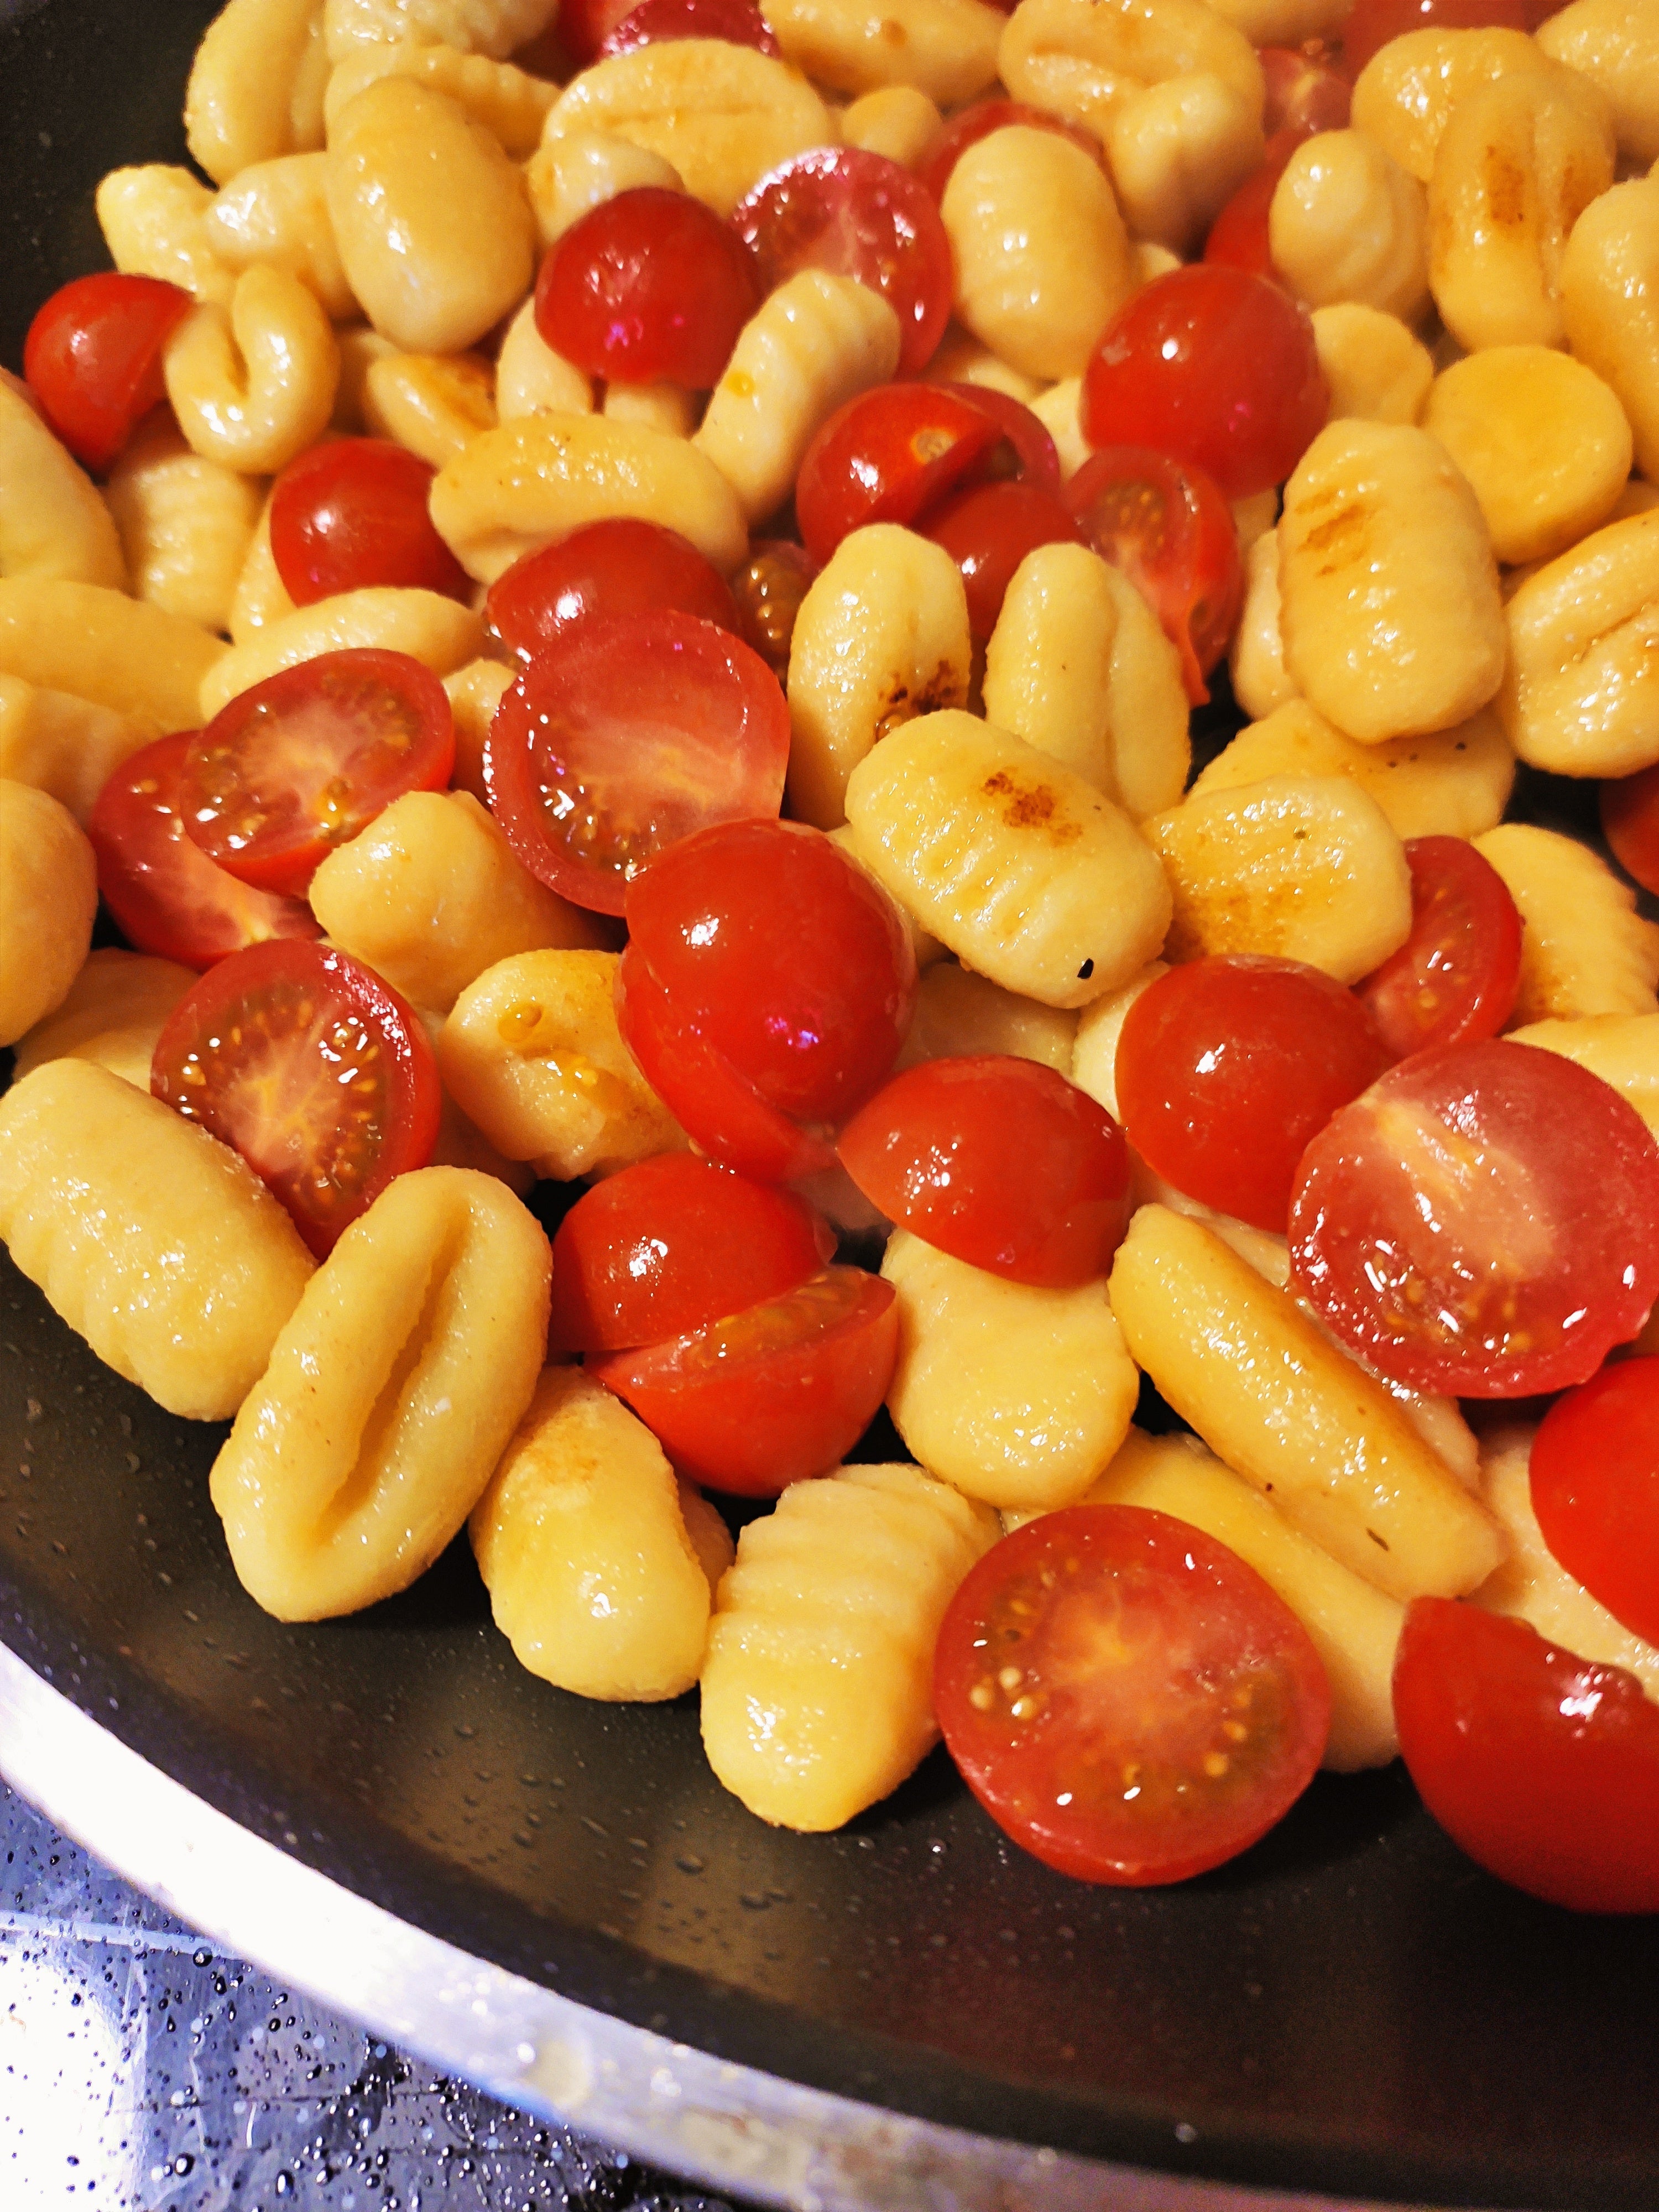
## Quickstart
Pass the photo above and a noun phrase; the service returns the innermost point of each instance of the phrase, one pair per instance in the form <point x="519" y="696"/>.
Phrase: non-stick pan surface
<point x="1351" y="2006"/>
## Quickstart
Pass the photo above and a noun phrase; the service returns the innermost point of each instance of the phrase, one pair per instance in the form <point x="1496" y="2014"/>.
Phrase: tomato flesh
<point x="771" y="1396"/>
<point x="619" y="565"/>
<point x="648" y="285"/>
<point x="886" y="456"/>
<point x="1453" y="980"/>
<point x="353" y="514"/>
<point x="1595" y="1475"/>
<point x="1543" y="1766"/>
<point x="671" y="1244"/>
<point x="987" y="531"/>
<point x="164" y="893"/>
<point x="1307" y="92"/>
<point x="1125" y="1697"/>
<point x="739" y="22"/>
<point x="626" y="734"/>
<point x="1440" y="1226"/>
<point x="304" y="761"/>
<point x="93" y="358"/>
<point x="998" y="1160"/>
<point x="1027" y="451"/>
<point x="767" y="590"/>
<point x="313" y="1069"/>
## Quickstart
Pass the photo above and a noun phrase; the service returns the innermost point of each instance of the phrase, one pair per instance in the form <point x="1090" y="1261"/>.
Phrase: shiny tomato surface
<point x="1595" y="1476"/>
<point x="93" y="358"/>
<point x="886" y="456"/>
<point x="739" y="22"/>
<point x="1027" y="450"/>
<point x="619" y="565"/>
<point x="315" y="1070"/>
<point x="987" y="531"/>
<point x="1238" y="237"/>
<point x="648" y="285"/>
<point x="1125" y="1697"/>
<point x="1454" y="979"/>
<point x="1483" y="1222"/>
<point x="352" y="515"/>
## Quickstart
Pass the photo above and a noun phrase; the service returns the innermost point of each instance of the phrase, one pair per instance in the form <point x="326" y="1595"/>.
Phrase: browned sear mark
<point x="1031" y="806"/>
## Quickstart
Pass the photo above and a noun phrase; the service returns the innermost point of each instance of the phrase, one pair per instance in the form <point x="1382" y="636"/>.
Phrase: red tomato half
<point x="1126" y="1697"/>
<point x="351" y="514"/>
<point x="1544" y="1767"/>
<point x="1226" y="1068"/>
<point x="303" y="762"/>
<point x="739" y="22"/>
<point x="987" y="531"/>
<point x="165" y="894"/>
<point x="1629" y="823"/>
<point x="886" y="456"/>
<point x="93" y="358"/>
<point x="319" y="1075"/>
<point x="671" y="1244"/>
<point x="1171" y="532"/>
<point x="1306" y="91"/>
<point x="616" y="567"/>
<point x="773" y="1394"/>
<point x="1453" y="980"/>
<point x="648" y="284"/>
<point x="998" y="1160"/>
<point x="1483" y="1222"/>
<point x="971" y="124"/>
<point x="1594" y="1473"/>
<point x="857" y="215"/>
<point x="1217" y="368"/>
<point x="626" y="734"/>
<point x="767" y="590"/>
<point x="1027" y="451"/>
<point x="1238" y="236"/>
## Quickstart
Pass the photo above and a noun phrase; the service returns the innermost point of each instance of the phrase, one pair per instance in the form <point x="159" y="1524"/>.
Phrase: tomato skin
<point x="1629" y="823"/>
<point x="1238" y="236"/>
<point x="739" y="22"/>
<point x="618" y="566"/>
<point x="627" y="733"/>
<point x="772" y="1395"/>
<point x="259" y="1053"/>
<point x="1214" y="367"/>
<point x="583" y="26"/>
<point x="1028" y="452"/>
<point x="166" y="895"/>
<point x="1453" y="981"/>
<point x="987" y="531"/>
<point x="669" y="1245"/>
<point x="999" y="1161"/>
<point x="971" y="124"/>
<point x="1140" y="1642"/>
<point x="1372" y="23"/>
<point x="1594" y="1477"/>
<point x="884" y="457"/>
<point x="302" y="763"/>
<point x="1542" y="1766"/>
<point x="647" y="285"/>
<point x="1227" y="1067"/>
<point x="354" y="513"/>
<point x="93" y="358"/>
<point x="1171" y="532"/>
<point x="1439" y="1225"/>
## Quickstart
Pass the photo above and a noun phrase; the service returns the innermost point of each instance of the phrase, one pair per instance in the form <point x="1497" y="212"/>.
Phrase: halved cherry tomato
<point x="1543" y="1766"/>
<point x="987" y="531"/>
<point x="1171" y="532"/>
<point x="1483" y="1222"/>
<point x="998" y="1160"/>
<point x="648" y="284"/>
<point x="618" y="566"/>
<point x="1454" y="979"/>
<point x="319" y="1074"/>
<point x="165" y="894"/>
<point x="1372" y="23"/>
<point x="1226" y="1068"/>
<point x="1216" y="368"/>
<point x="857" y="215"/>
<point x="1028" y="450"/>
<point x="1595" y="1475"/>
<point x="652" y="22"/>
<point x="625" y="734"/>
<point x="767" y="590"/>
<point x="1125" y="1697"/>
<point x="1306" y="91"/>
<point x="773" y="1394"/>
<point x="354" y="513"/>
<point x="1629" y="823"/>
<point x="971" y="124"/>
<point x="886" y="456"/>
<point x="1238" y="236"/>
<point x="93" y="358"/>
<point x="671" y="1244"/>
<point x="303" y="762"/>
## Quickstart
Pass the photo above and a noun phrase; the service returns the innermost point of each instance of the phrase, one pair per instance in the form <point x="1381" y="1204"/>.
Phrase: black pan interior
<point x="1353" y="2007"/>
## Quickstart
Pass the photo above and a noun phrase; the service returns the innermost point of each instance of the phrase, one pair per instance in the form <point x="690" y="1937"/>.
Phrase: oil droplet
<point x="689" y="1863"/>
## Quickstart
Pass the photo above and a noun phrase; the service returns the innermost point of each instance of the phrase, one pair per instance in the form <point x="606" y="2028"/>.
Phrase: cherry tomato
<point x="354" y="513"/>
<point x="583" y="26"/>
<point x="1443" y="1225"/>
<point x="93" y="358"/>
<point x="767" y="590"/>
<point x="857" y="215"/>
<point x="625" y="734"/>
<point x="998" y="1160"/>
<point x="886" y="456"/>
<point x="791" y="961"/>
<point x="1454" y="979"/>
<point x="652" y="22"/>
<point x="671" y="1244"/>
<point x="1026" y="451"/>
<point x="1125" y="1697"/>
<point x="987" y="531"/>
<point x="971" y="124"/>
<point x="1629" y="823"/>
<point x="1215" y="367"/>
<point x="164" y="893"/>
<point x="649" y="284"/>
<point x="1226" y="1068"/>
<point x="303" y="762"/>
<point x="771" y="1395"/>
<point x="319" y="1075"/>
<point x="1544" y="1767"/>
<point x="1594" y="1473"/>
<point x="1306" y="91"/>
<point x="1238" y="236"/>
<point x="1372" y="23"/>
<point x="1171" y="532"/>
<point x="616" y="567"/>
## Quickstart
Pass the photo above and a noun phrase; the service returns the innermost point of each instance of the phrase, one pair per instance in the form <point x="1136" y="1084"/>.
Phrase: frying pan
<point x="557" y="1896"/>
